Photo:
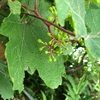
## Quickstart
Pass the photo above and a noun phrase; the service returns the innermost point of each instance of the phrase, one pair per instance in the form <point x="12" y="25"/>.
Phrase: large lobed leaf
<point x="93" y="39"/>
<point x="22" y="51"/>
<point x="76" y="8"/>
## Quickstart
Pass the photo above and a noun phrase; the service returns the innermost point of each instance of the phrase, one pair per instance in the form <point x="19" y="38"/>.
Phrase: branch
<point x="46" y="22"/>
<point x="51" y="23"/>
<point x="27" y="8"/>
<point x="37" y="13"/>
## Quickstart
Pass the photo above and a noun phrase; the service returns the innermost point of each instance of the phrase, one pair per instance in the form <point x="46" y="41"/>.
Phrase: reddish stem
<point x="27" y="8"/>
<point x="48" y="23"/>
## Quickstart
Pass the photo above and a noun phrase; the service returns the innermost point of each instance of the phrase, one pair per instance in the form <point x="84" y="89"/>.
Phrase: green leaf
<point x="76" y="9"/>
<point x="68" y="98"/>
<point x="3" y="68"/>
<point x="92" y="5"/>
<point x="2" y="65"/>
<point x="71" y="80"/>
<point x="70" y="91"/>
<point x="5" y="84"/>
<point x="96" y="1"/>
<point x="5" y="88"/>
<point x="43" y="95"/>
<point x="81" y="84"/>
<point x="93" y="39"/>
<point x="83" y="87"/>
<point x="15" y="6"/>
<point x="23" y="53"/>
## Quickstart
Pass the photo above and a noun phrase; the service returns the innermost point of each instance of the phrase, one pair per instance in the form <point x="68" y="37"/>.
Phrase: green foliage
<point x="75" y="90"/>
<point x="75" y="9"/>
<point x="93" y="38"/>
<point x="5" y="84"/>
<point x="29" y="50"/>
<point x="55" y="39"/>
<point x="43" y="95"/>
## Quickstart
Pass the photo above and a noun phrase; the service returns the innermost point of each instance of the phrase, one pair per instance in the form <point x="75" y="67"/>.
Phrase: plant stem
<point x="51" y="23"/>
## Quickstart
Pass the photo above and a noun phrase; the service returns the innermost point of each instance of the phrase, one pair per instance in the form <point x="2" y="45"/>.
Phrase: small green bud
<point x="55" y="46"/>
<point x="58" y="36"/>
<point x="54" y="59"/>
<point x="40" y="41"/>
<point x="58" y="54"/>
<point x="53" y="7"/>
<point x="63" y="39"/>
<point x="46" y="52"/>
<point x="41" y="48"/>
<point x="55" y="13"/>
<point x="56" y="22"/>
<point x="55" y="29"/>
<point x="64" y="43"/>
<point x="55" y="35"/>
<point x="54" y="10"/>
<point x="50" y="18"/>
<point x="50" y="59"/>
<point x="49" y="34"/>
<point x="50" y="9"/>
<point x="50" y="42"/>
<point x="65" y="35"/>
<point x="60" y="50"/>
<point x="45" y="43"/>
<point x="66" y="48"/>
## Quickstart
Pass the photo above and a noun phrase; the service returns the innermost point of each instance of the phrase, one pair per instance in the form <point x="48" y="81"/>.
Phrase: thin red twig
<point x="47" y="23"/>
<point x="60" y="28"/>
